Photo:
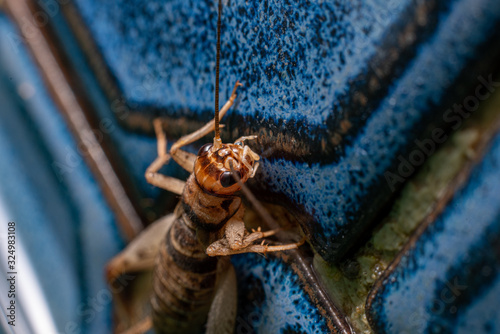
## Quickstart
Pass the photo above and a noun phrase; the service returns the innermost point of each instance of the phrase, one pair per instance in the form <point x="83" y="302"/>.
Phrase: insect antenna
<point x="217" y="140"/>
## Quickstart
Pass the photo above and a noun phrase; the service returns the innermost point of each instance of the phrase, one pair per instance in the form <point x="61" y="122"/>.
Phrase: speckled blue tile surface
<point x="163" y="52"/>
<point x="349" y="189"/>
<point x="271" y="298"/>
<point x="62" y="220"/>
<point x="337" y="91"/>
<point x="321" y="74"/>
<point x="449" y="281"/>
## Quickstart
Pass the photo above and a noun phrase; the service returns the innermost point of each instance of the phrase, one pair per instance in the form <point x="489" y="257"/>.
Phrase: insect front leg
<point x="238" y="240"/>
<point x="186" y="159"/>
<point x="152" y="176"/>
<point x="238" y="237"/>
<point x="243" y="138"/>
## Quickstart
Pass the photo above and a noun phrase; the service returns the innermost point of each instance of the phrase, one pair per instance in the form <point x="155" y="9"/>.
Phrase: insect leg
<point x="255" y="167"/>
<point x="238" y="237"/>
<point x="221" y="248"/>
<point x="242" y="139"/>
<point x="152" y="176"/>
<point x="185" y="159"/>
<point x="263" y="249"/>
<point x="141" y="327"/>
<point x="248" y="151"/>
<point x="237" y="240"/>
<point x="140" y="254"/>
<point x="256" y="235"/>
<point x="222" y="315"/>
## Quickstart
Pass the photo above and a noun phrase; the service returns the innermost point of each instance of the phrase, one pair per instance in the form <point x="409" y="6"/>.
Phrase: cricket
<point x="193" y="281"/>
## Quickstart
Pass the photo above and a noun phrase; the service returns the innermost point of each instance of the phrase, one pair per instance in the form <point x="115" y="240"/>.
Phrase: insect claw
<point x="256" y="230"/>
<point x="237" y="245"/>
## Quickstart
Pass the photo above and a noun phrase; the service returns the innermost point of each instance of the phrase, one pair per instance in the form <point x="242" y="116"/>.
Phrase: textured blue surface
<point x="344" y="191"/>
<point x="135" y="151"/>
<point x="306" y="67"/>
<point x="271" y="298"/>
<point x="62" y="219"/>
<point x="294" y="62"/>
<point x="309" y="70"/>
<point x="450" y="280"/>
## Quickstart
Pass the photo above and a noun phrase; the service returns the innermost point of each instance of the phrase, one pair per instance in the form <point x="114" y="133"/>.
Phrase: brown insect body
<point x="190" y="282"/>
<point x="185" y="276"/>
<point x="183" y="282"/>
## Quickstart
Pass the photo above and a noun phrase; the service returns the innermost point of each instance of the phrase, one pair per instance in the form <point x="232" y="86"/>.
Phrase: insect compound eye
<point x="204" y="149"/>
<point x="227" y="179"/>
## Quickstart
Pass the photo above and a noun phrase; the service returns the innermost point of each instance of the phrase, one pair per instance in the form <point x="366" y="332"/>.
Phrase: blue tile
<point x="271" y="298"/>
<point x="449" y="280"/>
<point x="338" y="78"/>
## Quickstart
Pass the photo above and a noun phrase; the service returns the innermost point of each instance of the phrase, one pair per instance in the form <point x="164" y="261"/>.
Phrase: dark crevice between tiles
<point x="361" y="275"/>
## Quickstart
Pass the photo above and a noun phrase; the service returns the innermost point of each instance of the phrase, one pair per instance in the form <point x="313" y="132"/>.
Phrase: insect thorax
<point x="205" y="210"/>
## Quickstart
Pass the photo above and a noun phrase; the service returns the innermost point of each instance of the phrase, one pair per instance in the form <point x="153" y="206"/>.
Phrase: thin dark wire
<point x="217" y="135"/>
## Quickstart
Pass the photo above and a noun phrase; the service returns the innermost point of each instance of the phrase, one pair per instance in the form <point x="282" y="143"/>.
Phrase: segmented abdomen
<point x="183" y="282"/>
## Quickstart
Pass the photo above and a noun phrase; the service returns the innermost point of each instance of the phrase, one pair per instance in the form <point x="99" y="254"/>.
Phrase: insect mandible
<point x="192" y="276"/>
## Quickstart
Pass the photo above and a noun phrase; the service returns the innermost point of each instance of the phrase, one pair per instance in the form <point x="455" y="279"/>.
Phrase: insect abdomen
<point x="184" y="277"/>
<point x="183" y="282"/>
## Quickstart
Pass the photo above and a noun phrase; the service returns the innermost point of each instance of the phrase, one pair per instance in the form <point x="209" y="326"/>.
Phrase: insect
<point x="194" y="284"/>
